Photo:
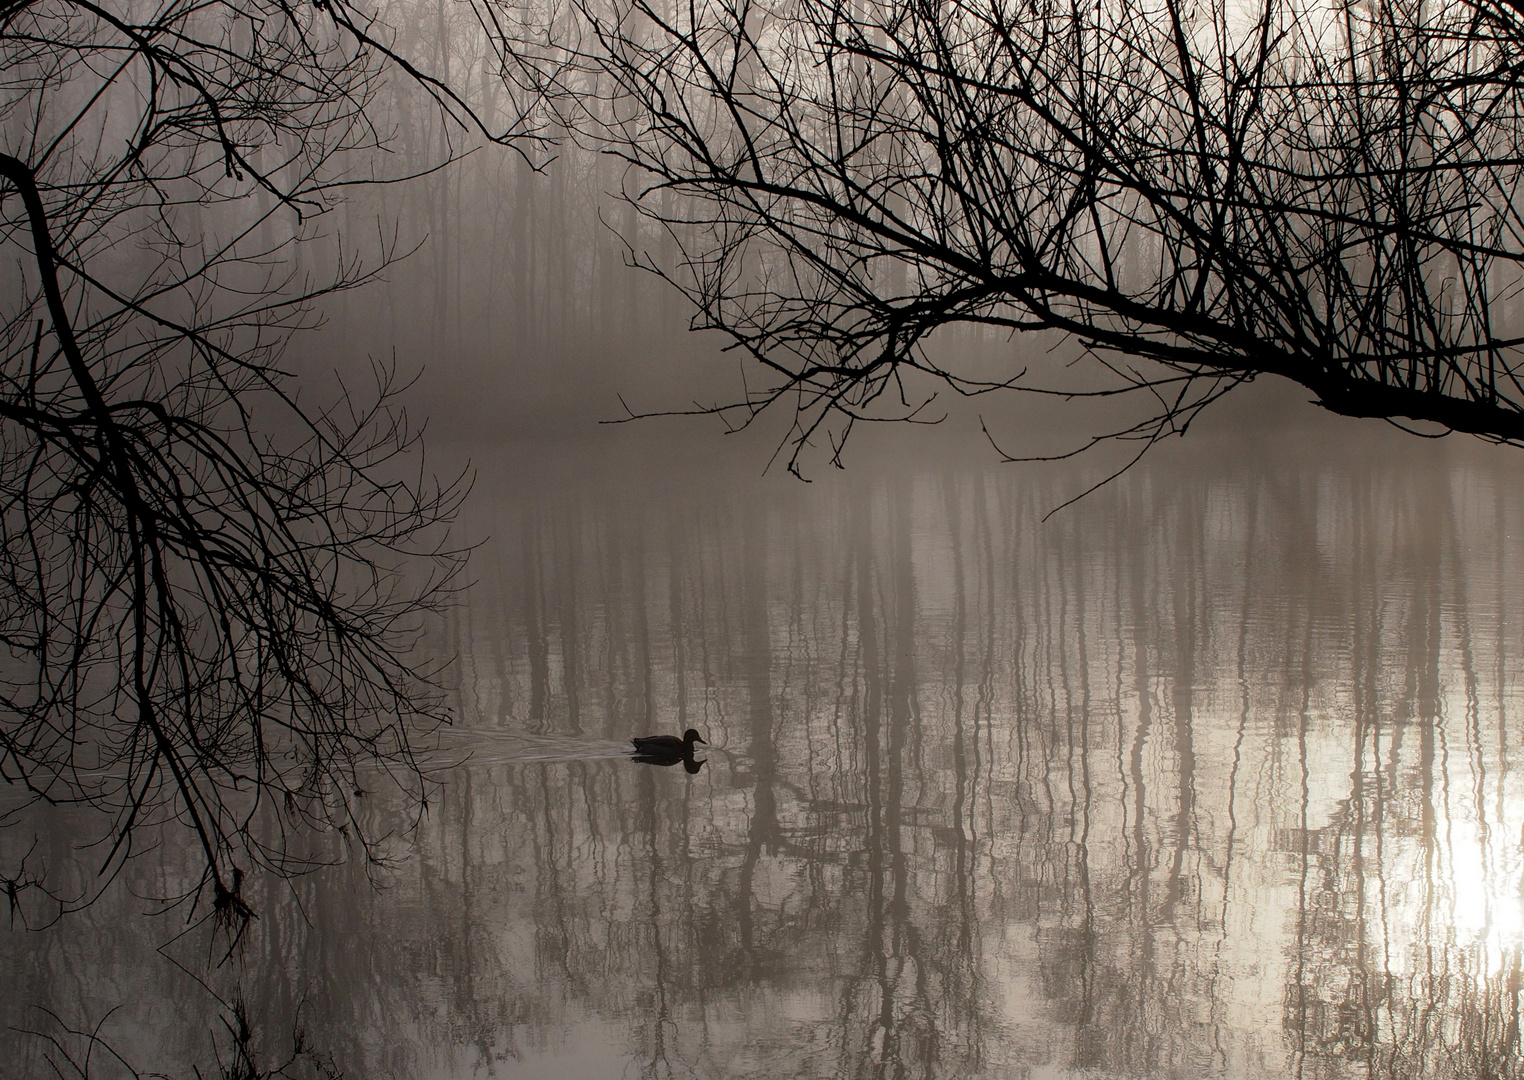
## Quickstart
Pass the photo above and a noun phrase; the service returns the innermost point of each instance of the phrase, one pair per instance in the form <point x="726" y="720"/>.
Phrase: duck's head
<point x="690" y="737"/>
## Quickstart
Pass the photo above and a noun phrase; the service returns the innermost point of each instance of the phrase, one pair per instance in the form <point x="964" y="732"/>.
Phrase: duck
<point x="667" y="745"/>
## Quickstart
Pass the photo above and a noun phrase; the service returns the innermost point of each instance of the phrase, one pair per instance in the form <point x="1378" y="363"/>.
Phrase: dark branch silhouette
<point x="209" y="589"/>
<point x="1197" y="193"/>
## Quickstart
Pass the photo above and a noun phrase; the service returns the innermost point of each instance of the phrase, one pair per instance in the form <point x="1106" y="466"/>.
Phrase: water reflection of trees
<point x="1127" y="791"/>
<point x="1197" y="778"/>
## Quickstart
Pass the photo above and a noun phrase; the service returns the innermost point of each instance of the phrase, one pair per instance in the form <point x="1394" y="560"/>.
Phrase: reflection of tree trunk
<point x="532" y="607"/>
<point x="468" y="1004"/>
<point x="964" y="950"/>
<point x="565" y="568"/>
<point x="1427" y="646"/>
<point x="621" y="544"/>
<point x="894" y="1032"/>
<point x="655" y="876"/>
<point x="1366" y="653"/>
<point x="340" y="978"/>
<point x="677" y="561"/>
<point x="1230" y="841"/>
<point x="1513" y="976"/>
<point x="1141" y="868"/>
<point x="1304" y="842"/>
<point x="762" y="831"/>
<point x="553" y="929"/>
<point x="637" y="558"/>
<point x="1084" y="955"/>
<point x="988" y="666"/>
<point x="904" y="941"/>
<point x="1298" y="675"/>
<point x="1187" y="561"/>
<point x="870" y="716"/>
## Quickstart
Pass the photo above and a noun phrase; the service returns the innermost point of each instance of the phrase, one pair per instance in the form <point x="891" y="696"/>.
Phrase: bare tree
<point x="209" y="589"/>
<point x="1199" y="192"/>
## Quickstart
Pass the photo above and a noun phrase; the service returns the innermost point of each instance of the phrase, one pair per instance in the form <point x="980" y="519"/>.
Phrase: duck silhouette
<point x="667" y="744"/>
<point x="668" y="750"/>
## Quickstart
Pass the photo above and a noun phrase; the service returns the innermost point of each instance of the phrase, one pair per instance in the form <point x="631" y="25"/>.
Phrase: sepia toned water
<point x="1217" y="773"/>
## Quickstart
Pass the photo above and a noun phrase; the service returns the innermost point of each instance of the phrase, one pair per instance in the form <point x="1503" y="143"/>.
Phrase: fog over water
<point x="1216" y="772"/>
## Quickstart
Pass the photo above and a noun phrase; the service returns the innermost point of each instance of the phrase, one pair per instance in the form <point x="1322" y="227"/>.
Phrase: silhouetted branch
<point x="210" y="590"/>
<point x="1217" y="192"/>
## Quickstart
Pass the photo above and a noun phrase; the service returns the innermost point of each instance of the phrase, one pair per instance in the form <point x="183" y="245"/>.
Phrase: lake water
<point x="1217" y="773"/>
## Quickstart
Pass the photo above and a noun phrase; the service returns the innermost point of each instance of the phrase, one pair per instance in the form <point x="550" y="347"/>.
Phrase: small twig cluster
<point x="87" y="1054"/>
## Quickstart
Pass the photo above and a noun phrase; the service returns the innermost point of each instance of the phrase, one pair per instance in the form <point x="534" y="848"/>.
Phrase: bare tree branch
<point x="1323" y="193"/>
<point x="210" y="592"/>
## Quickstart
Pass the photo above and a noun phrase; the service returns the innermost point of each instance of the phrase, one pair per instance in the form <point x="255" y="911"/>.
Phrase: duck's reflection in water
<point x="689" y="763"/>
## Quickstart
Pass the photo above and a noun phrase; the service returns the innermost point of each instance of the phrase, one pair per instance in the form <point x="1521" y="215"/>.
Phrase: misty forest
<point x="1046" y="472"/>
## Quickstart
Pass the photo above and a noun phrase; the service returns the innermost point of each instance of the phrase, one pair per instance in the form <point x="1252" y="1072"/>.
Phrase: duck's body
<point x="667" y="745"/>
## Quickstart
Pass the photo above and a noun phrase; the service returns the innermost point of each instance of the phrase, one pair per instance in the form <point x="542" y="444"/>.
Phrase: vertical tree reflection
<point x="1197" y="778"/>
<point x="1411" y="956"/>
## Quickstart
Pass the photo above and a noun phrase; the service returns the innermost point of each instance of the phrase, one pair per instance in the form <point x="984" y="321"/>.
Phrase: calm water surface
<point x="1214" y="774"/>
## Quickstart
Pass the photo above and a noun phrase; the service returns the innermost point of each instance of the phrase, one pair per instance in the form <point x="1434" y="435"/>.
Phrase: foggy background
<point x="512" y="299"/>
